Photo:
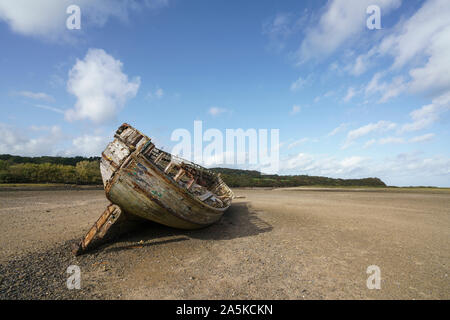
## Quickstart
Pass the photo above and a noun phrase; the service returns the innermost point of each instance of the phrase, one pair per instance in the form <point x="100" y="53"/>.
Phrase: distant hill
<point x="81" y="170"/>
<point x="247" y="178"/>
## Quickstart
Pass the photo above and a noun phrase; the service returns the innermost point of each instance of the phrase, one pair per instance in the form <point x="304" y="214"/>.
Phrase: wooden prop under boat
<point x="143" y="181"/>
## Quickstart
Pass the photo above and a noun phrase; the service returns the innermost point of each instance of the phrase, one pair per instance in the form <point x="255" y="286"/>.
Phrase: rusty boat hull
<point x="143" y="181"/>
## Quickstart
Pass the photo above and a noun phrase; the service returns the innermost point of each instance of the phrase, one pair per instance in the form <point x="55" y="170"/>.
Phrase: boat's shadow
<point x="237" y="222"/>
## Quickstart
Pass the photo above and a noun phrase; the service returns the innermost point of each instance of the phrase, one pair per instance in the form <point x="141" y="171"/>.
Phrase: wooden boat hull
<point x="142" y="189"/>
<point x="143" y="181"/>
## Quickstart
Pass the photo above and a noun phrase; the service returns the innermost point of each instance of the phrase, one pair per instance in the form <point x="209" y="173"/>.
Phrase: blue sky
<point x="349" y="102"/>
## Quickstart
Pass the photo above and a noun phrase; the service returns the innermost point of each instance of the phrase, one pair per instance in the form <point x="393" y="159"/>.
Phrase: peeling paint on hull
<point x="144" y="181"/>
<point x="147" y="193"/>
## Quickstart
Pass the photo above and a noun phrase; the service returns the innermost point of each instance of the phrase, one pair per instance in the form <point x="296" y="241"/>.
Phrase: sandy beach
<point x="301" y="243"/>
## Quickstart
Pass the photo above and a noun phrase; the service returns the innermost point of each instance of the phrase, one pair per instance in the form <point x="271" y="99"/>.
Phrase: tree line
<point x="80" y="170"/>
<point x="246" y="178"/>
<point x="71" y="161"/>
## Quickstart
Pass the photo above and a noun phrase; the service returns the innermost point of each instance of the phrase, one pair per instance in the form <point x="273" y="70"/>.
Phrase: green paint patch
<point x="156" y="193"/>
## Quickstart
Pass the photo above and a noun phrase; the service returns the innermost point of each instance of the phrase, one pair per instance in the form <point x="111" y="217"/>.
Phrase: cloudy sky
<point x="350" y="102"/>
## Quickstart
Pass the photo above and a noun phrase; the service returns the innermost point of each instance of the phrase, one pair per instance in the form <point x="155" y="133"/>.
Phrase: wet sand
<point x="271" y="244"/>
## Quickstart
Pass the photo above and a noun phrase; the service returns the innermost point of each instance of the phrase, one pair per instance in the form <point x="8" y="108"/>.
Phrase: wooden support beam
<point x="98" y="230"/>
<point x="179" y="174"/>
<point x="169" y="167"/>
<point x="159" y="157"/>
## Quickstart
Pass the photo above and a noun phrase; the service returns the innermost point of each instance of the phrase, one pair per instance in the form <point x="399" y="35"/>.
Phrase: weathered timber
<point x="144" y="181"/>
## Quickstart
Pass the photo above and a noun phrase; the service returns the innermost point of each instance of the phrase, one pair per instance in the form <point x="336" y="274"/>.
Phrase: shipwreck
<point x="142" y="181"/>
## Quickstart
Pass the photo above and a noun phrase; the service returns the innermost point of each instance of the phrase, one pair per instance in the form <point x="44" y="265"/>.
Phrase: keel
<point x="110" y="216"/>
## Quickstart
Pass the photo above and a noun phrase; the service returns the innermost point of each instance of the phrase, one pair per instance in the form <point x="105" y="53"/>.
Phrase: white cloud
<point x="428" y="114"/>
<point x="47" y="18"/>
<point x="280" y="28"/>
<point x="301" y="161"/>
<point x="393" y="89"/>
<point x="57" y="110"/>
<point x="88" y="146"/>
<point x="351" y="162"/>
<point x="36" y="95"/>
<point x="387" y="90"/>
<point x="417" y="33"/>
<point x="298" y="84"/>
<point x="215" y="111"/>
<point x="298" y="142"/>
<point x="380" y="126"/>
<point x="370" y="143"/>
<point x="350" y="94"/>
<point x="423" y="138"/>
<point x="359" y="67"/>
<point x="402" y="169"/>
<point x="37" y="18"/>
<point x="391" y="140"/>
<point x="341" y="21"/>
<point x="338" y="129"/>
<point x="413" y="169"/>
<point x="422" y="43"/>
<point x="434" y="76"/>
<point x="100" y="86"/>
<point x="361" y="63"/>
<point x="399" y="140"/>
<point x="158" y="94"/>
<point x="304" y="163"/>
<point x="326" y="95"/>
<point x="15" y="141"/>
<point x="295" y="109"/>
<point x="374" y="85"/>
<point x="50" y="141"/>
